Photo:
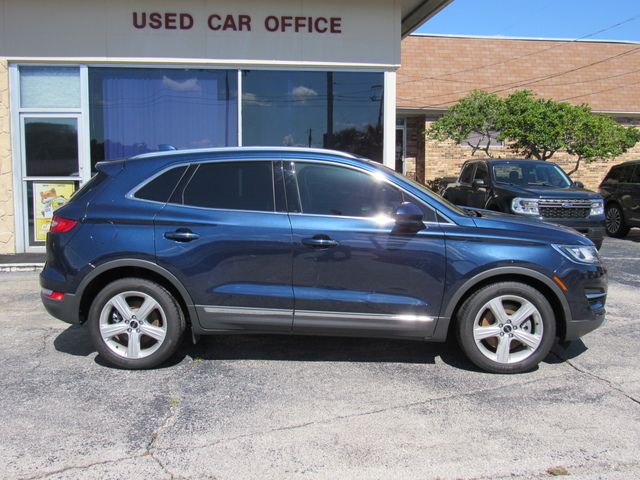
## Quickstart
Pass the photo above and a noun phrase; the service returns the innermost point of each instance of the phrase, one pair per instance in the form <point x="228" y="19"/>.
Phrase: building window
<point x="479" y="140"/>
<point x="49" y="87"/>
<point x="140" y="110"/>
<point x="339" y="110"/>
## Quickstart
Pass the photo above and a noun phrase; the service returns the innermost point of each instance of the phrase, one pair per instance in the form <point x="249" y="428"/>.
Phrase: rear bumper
<point x="65" y="309"/>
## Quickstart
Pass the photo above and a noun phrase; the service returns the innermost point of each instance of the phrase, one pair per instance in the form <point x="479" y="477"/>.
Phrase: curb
<point x="21" y="267"/>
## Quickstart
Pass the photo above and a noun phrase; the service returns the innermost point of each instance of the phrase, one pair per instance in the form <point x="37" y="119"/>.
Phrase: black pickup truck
<point x="532" y="188"/>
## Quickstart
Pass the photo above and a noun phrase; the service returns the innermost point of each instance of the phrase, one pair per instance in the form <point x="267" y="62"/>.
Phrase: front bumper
<point x="586" y="296"/>
<point x="593" y="230"/>
<point x="578" y="328"/>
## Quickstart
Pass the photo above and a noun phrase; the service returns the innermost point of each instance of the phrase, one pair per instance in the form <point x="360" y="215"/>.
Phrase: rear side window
<point x="635" y="176"/>
<point x="231" y="186"/>
<point x="160" y="188"/>
<point x="625" y="174"/>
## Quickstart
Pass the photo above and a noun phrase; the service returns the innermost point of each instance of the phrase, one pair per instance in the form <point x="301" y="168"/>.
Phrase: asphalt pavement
<point x="273" y="407"/>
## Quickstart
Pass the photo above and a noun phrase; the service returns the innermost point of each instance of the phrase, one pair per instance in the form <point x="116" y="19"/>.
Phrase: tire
<point x="481" y="334"/>
<point x="614" y="222"/>
<point x="114" y="320"/>
<point x="598" y="243"/>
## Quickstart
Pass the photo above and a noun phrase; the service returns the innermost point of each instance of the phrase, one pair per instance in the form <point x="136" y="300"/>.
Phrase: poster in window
<point x="47" y="198"/>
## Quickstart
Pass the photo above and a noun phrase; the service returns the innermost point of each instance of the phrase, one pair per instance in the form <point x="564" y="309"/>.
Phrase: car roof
<point x="516" y="160"/>
<point x="628" y="162"/>
<point x="289" y="150"/>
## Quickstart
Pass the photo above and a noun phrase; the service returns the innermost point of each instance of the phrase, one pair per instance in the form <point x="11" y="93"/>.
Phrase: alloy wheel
<point x="613" y="220"/>
<point x="133" y="325"/>
<point x="508" y="329"/>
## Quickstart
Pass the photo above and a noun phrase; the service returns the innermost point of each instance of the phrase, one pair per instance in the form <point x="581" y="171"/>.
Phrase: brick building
<point x="439" y="70"/>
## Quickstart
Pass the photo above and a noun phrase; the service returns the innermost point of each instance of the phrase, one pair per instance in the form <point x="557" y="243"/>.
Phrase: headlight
<point x="579" y="253"/>
<point x="525" y="206"/>
<point x="597" y="207"/>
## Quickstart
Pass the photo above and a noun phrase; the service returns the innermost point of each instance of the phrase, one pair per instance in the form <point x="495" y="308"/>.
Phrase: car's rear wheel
<point x="614" y="222"/>
<point x="135" y="323"/>
<point x="506" y="327"/>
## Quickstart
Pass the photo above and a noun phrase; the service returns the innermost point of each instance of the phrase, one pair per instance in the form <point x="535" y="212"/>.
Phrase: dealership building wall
<point x="83" y="82"/>
<point x="438" y="70"/>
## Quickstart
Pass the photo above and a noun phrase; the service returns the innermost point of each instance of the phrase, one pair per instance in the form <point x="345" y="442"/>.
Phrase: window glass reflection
<point x="139" y="110"/>
<point x="338" y="110"/>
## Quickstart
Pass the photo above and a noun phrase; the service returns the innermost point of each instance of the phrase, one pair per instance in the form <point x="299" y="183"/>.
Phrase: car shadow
<point x="75" y="341"/>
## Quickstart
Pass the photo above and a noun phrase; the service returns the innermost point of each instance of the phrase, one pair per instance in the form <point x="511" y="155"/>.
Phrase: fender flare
<point x="447" y="314"/>
<point x="144" y="264"/>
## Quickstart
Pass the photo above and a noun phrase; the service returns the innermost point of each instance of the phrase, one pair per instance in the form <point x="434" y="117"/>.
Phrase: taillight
<point x="52" y="294"/>
<point x="61" y="225"/>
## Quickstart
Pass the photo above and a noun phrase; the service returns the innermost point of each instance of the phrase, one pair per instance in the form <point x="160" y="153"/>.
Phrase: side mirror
<point x="477" y="183"/>
<point x="409" y="216"/>
<point x="578" y="185"/>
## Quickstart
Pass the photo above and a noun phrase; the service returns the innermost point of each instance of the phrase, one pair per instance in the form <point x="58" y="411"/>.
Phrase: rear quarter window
<point x="88" y="187"/>
<point x="160" y="188"/>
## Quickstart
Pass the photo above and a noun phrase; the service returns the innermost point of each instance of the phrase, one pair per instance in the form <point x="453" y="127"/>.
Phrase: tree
<point x="596" y="136"/>
<point x="534" y="127"/>
<point x="478" y="113"/>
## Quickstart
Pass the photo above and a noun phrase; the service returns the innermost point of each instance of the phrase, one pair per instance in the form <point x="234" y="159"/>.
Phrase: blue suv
<point x="303" y="241"/>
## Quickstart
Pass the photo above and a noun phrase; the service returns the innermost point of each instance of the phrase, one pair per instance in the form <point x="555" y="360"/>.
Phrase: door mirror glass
<point x="409" y="216"/>
<point x="578" y="185"/>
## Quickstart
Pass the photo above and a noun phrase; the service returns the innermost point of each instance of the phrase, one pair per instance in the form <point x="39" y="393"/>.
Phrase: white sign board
<point x="354" y="32"/>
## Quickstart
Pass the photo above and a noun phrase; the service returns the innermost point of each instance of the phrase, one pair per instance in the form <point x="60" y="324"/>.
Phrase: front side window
<point x="231" y="186"/>
<point x="338" y="191"/>
<point x="482" y="173"/>
<point x="467" y="173"/>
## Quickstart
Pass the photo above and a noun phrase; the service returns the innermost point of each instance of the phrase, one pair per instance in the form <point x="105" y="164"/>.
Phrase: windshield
<point x="531" y="173"/>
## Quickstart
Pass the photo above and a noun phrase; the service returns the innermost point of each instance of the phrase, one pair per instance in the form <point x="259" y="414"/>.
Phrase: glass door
<point x="50" y="170"/>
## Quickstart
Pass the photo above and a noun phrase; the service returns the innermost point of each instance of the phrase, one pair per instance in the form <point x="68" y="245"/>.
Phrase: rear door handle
<point x="181" y="235"/>
<point x="316" y="242"/>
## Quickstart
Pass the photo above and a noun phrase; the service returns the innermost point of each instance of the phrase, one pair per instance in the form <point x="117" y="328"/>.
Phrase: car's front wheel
<point x="614" y="222"/>
<point x="506" y="327"/>
<point x="135" y="323"/>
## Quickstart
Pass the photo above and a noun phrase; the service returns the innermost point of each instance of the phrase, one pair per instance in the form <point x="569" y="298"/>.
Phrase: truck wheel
<point x="135" y="323"/>
<point x="506" y="327"/>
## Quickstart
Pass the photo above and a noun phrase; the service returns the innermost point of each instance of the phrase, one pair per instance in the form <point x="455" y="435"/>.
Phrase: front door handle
<point x="181" y="235"/>
<point x="319" y="241"/>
